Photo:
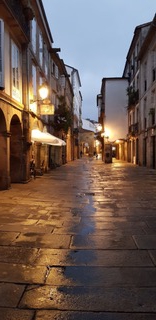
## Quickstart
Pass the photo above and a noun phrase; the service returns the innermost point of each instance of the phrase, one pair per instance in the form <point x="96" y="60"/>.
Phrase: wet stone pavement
<point x="79" y="243"/>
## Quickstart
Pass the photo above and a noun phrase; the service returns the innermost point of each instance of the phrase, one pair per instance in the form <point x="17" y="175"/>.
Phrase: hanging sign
<point x="46" y="109"/>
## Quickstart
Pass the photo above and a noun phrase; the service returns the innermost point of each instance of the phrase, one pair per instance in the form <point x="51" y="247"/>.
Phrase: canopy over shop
<point x="46" y="138"/>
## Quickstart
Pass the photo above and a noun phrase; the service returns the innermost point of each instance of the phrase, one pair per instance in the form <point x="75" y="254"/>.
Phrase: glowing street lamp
<point x="99" y="127"/>
<point x="107" y="133"/>
<point x="43" y="91"/>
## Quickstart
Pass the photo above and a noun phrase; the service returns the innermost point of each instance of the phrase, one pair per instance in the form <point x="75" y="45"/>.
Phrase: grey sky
<point x="94" y="37"/>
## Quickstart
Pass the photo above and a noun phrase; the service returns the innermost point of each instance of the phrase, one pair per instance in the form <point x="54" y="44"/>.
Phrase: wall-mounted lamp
<point x="99" y="127"/>
<point x="106" y="134"/>
<point x="43" y="92"/>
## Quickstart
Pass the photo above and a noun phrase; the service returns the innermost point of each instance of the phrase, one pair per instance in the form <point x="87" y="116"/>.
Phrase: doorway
<point x="3" y="153"/>
<point x="153" y="152"/>
<point x="145" y="152"/>
<point x="16" y="165"/>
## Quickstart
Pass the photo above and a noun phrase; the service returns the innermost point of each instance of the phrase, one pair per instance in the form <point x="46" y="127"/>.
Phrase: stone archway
<point x="16" y="165"/>
<point x="3" y="153"/>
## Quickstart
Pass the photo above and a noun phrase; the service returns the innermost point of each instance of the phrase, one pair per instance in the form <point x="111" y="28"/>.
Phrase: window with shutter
<point x="15" y="62"/>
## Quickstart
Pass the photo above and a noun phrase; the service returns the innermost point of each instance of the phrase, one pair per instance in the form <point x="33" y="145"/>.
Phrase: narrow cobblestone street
<point x="79" y="243"/>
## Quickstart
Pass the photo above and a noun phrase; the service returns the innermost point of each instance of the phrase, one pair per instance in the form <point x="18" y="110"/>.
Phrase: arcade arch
<point x="16" y="164"/>
<point x="3" y="152"/>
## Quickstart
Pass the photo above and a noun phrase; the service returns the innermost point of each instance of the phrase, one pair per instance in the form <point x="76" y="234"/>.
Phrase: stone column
<point x="5" y="181"/>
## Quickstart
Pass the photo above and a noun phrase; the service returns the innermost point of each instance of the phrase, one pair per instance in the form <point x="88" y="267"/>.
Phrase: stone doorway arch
<point x="16" y="156"/>
<point x="3" y="153"/>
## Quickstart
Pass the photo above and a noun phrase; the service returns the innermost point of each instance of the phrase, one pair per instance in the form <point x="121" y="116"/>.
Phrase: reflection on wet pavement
<point x="79" y="244"/>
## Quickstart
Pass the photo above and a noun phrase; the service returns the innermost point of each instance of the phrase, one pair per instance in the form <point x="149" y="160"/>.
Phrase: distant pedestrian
<point x="95" y="155"/>
<point x="32" y="168"/>
<point x="81" y="153"/>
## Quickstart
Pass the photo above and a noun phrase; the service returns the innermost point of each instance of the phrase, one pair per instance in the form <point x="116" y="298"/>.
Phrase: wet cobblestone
<point x="79" y="243"/>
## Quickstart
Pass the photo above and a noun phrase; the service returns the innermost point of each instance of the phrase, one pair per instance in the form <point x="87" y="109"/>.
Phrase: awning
<point x="46" y="138"/>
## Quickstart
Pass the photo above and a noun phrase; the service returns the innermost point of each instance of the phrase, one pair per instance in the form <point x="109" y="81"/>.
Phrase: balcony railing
<point x="134" y="129"/>
<point x="133" y="96"/>
<point x="22" y="14"/>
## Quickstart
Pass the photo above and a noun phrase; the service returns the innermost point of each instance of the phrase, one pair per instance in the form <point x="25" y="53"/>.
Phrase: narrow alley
<point x="79" y="243"/>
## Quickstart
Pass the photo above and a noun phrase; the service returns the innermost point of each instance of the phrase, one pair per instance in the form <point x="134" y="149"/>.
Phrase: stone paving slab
<point x="139" y="213"/>
<point x="19" y="273"/>
<point x="114" y="299"/>
<point x="12" y="220"/>
<point x="119" y="225"/>
<point x="6" y="238"/>
<point x="101" y="276"/>
<point x="26" y="229"/>
<point x="102" y="242"/>
<point x="17" y="254"/>
<point x="36" y="240"/>
<point x="106" y="212"/>
<point x="50" y="222"/>
<point x="16" y="314"/>
<point x="149" y="230"/>
<point x="145" y="241"/>
<point x="10" y="294"/>
<point x="152" y="224"/>
<point x="89" y="229"/>
<point x="115" y="219"/>
<point x="65" y="315"/>
<point x="153" y="256"/>
<point x="107" y="258"/>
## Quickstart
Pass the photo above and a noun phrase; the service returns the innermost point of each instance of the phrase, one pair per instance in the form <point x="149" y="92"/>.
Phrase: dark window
<point x="154" y="74"/>
<point x="153" y="117"/>
<point x="145" y="85"/>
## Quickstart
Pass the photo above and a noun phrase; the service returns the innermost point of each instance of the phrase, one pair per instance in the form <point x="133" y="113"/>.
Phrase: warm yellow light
<point x="99" y="127"/>
<point x="107" y="133"/>
<point x="97" y="143"/>
<point x="117" y="141"/>
<point x="43" y="91"/>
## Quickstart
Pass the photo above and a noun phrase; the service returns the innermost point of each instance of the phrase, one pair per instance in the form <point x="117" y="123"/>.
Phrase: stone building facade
<point x="27" y="123"/>
<point x="112" y="114"/>
<point x="140" y="68"/>
<point x="77" y="108"/>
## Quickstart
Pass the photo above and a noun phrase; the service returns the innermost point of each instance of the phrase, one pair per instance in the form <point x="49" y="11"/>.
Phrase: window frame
<point x="15" y="71"/>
